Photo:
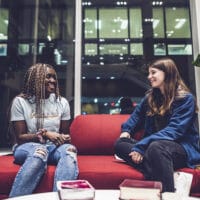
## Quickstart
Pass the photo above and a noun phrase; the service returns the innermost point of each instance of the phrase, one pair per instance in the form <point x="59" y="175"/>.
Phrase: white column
<point x="195" y="19"/>
<point x="78" y="47"/>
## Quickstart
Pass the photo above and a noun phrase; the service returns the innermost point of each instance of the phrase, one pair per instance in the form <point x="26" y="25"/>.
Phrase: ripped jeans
<point x="34" y="158"/>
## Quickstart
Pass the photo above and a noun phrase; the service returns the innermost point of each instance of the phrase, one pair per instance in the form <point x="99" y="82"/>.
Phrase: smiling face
<point x="50" y="82"/>
<point x="156" y="78"/>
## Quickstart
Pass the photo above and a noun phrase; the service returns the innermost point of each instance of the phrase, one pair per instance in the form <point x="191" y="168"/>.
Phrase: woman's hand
<point x="66" y="137"/>
<point x="57" y="138"/>
<point x="125" y="135"/>
<point x="136" y="157"/>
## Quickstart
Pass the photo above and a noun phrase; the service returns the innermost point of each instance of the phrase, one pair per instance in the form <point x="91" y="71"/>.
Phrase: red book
<point x="131" y="189"/>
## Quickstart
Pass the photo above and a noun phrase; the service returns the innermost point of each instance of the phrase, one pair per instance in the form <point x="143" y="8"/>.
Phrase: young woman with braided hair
<point x="167" y="114"/>
<point x="40" y="119"/>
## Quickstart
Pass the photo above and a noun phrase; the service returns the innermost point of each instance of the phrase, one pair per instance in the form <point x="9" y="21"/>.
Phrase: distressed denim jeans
<point x="34" y="158"/>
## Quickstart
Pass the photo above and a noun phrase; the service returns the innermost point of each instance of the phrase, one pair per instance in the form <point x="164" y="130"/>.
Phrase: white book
<point x="176" y="196"/>
<point x="182" y="183"/>
<point x="131" y="189"/>
<point x="75" y="190"/>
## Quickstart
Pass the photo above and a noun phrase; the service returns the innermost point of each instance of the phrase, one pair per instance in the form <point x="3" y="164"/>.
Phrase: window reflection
<point x="136" y="49"/>
<point x="23" y="49"/>
<point x="33" y="32"/>
<point x="113" y="23"/>
<point x="3" y="24"/>
<point x="3" y="49"/>
<point x="108" y="105"/>
<point x="159" y="49"/>
<point x="158" y="23"/>
<point x="177" y="23"/>
<point x="180" y="49"/>
<point x="113" y="49"/>
<point x="136" y="30"/>
<point x="90" y="49"/>
<point x="91" y="23"/>
<point x="121" y="39"/>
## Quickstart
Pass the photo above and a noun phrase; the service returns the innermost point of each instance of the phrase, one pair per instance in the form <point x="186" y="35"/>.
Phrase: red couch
<point x="94" y="136"/>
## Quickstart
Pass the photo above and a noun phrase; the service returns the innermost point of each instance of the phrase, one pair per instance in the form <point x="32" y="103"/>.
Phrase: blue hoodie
<point x="180" y="127"/>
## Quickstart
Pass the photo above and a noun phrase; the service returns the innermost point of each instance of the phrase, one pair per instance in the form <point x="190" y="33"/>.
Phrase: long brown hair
<point x="174" y="88"/>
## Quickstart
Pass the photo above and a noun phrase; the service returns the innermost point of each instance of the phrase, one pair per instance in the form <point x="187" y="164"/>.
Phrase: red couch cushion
<point x="8" y="171"/>
<point x="96" y="134"/>
<point x="103" y="172"/>
<point x="109" y="172"/>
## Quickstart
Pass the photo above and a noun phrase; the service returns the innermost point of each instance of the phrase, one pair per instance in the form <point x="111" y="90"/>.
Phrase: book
<point x="182" y="183"/>
<point x="131" y="189"/>
<point x="176" y="196"/>
<point x="75" y="190"/>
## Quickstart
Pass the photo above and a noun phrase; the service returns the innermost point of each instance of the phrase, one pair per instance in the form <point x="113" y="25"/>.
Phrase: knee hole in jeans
<point x="72" y="152"/>
<point x="41" y="153"/>
<point x="71" y="149"/>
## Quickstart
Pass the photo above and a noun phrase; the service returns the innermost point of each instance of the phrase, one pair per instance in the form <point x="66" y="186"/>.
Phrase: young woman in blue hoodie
<point x="167" y="114"/>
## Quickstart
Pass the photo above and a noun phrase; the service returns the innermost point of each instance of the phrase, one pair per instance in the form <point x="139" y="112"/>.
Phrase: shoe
<point x="182" y="183"/>
<point x="117" y="158"/>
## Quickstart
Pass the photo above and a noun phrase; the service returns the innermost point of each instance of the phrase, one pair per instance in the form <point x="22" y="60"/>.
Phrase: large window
<point x="112" y="31"/>
<point x="177" y="23"/>
<point x="172" y="26"/>
<point x="113" y="23"/>
<point x="158" y="23"/>
<point x="120" y="39"/>
<point x="136" y="30"/>
<point x="91" y="23"/>
<point x="3" y="31"/>
<point x="31" y="33"/>
<point x="4" y="24"/>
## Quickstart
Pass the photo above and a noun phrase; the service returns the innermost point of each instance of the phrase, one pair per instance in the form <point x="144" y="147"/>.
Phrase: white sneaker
<point x="182" y="183"/>
<point x="118" y="158"/>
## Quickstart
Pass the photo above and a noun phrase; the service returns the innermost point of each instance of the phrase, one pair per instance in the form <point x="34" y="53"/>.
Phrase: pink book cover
<point x="75" y="184"/>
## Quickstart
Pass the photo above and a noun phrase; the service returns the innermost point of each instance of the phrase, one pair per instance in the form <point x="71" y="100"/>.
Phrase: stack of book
<point x="75" y="190"/>
<point x="140" y="190"/>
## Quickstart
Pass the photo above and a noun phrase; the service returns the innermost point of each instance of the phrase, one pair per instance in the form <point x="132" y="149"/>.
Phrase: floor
<point x="5" y="151"/>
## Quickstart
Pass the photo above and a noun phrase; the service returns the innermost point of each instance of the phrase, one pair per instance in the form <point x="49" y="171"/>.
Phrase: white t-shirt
<point x="55" y="110"/>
